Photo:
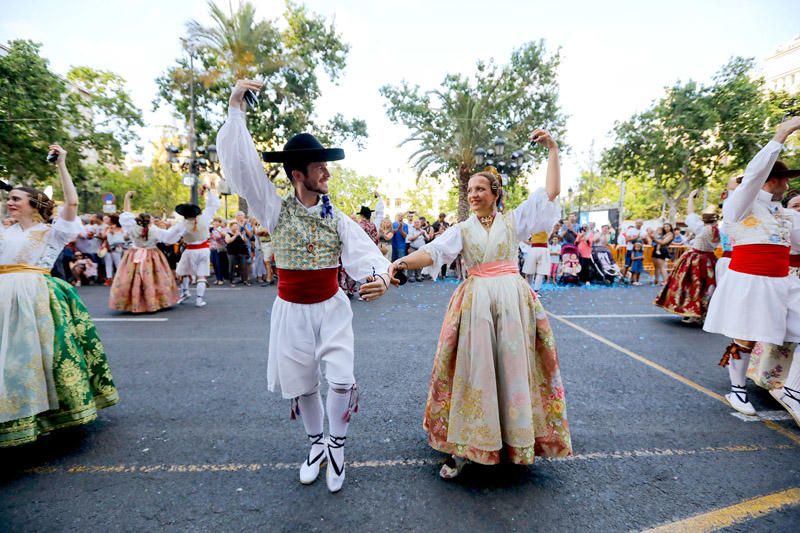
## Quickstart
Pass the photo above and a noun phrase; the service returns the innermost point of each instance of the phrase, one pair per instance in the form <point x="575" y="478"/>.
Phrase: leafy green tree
<point x="693" y="134"/>
<point x="31" y="113"/>
<point x="287" y="55"/>
<point x="90" y="114"/>
<point x="466" y="112"/>
<point x="103" y="114"/>
<point x="349" y="190"/>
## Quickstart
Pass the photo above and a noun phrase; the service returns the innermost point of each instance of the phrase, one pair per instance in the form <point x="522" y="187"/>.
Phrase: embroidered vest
<point x="297" y="228"/>
<point x="767" y="223"/>
<point x="192" y="235"/>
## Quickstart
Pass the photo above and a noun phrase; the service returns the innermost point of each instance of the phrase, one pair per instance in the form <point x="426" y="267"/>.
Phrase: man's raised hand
<point x="241" y="87"/>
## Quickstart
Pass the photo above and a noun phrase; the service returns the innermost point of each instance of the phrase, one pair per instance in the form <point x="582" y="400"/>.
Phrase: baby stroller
<point x="570" y="265"/>
<point x="605" y="269"/>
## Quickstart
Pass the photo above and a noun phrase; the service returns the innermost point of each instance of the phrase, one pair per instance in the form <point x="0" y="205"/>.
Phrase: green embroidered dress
<point x="53" y="368"/>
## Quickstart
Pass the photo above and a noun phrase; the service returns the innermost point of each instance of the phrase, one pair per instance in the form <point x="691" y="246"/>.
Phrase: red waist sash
<point x="727" y="254"/>
<point x="794" y="261"/>
<point x="494" y="269"/>
<point x="198" y="246"/>
<point x="768" y="260"/>
<point x="307" y="286"/>
<point x="539" y="245"/>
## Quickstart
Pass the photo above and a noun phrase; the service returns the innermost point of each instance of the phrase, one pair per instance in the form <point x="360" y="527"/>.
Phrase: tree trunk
<point x="672" y="203"/>
<point x="243" y="205"/>
<point x="463" y="181"/>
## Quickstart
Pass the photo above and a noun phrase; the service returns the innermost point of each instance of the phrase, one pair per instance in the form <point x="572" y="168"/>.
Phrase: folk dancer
<point x="311" y="320"/>
<point x="757" y="300"/>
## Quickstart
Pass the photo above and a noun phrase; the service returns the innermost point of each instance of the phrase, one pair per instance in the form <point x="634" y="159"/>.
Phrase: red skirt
<point x="690" y="285"/>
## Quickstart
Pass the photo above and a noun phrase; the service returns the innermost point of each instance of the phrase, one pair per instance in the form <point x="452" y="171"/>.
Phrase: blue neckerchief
<point x="327" y="208"/>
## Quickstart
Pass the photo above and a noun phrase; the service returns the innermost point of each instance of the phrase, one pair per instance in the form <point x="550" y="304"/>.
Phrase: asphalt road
<point x="198" y="444"/>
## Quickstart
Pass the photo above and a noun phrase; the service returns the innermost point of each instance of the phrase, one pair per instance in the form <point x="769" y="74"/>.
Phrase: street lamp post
<point x="197" y="160"/>
<point x="85" y="191"/>
<point x="493" y="157"/>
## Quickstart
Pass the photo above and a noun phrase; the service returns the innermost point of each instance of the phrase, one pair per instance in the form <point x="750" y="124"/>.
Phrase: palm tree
<point x="238" y="38"/>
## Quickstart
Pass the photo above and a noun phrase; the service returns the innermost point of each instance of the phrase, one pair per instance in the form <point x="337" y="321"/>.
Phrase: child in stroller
<point x="570" y="265"/>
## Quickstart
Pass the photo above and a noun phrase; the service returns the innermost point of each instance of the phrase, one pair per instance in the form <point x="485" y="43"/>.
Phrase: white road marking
<point x="763" y="415"/>
<point x="141" y="319"/>
<point x="255" y="467"/>
<point x="655" y="315"/>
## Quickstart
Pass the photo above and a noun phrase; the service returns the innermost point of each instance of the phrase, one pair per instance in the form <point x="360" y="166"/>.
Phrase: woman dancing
<point x="495" y="393"/>
<point x="144" y="282"/>
<point x="53" y="368"/>
<point x="692" y="282"/>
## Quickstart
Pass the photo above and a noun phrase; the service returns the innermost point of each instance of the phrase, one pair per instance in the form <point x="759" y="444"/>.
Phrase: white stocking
<point x="793" y="379"/>
<point x="311" y="412"/>
<point x="201" y="289"/>
<point x="537" y="284"/>
<point x="185" y="285"/>
<point x="737" y="369"/>
<point x="338" y="406"/>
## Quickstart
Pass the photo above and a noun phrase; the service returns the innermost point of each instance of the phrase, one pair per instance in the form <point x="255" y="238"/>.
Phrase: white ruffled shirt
<point x="38" y="245"/>
<point x="537" y="213"/>
<point x="244" y="171"/>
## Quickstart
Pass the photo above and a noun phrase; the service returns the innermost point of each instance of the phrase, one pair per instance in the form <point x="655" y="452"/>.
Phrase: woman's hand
<point x="544" y="138"/>
<point x="395" y="267"/>
<point x="62" y="154"/>
<point x="375" y="287"/>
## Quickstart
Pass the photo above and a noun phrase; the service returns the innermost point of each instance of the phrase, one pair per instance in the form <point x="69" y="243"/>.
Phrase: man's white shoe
<point x="309" y="470"/>
<point x="790" y="400"/>
<point x="183" y="297"/>
<point x="334" y="472"/>
<point x="200" y="302"/>
<point x="737" y="398"/>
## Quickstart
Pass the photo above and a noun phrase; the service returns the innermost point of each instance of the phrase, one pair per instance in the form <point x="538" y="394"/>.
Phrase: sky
<point x="616" y="56"/>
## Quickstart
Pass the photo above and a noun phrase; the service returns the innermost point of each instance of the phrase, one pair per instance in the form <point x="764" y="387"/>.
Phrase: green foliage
<point x="105" y="117"/>
<point x="693" y="134"/>
<point x="420" y="198"/>
<point x="287" y="55"/>
<point x="349" y="191"/>
<point x="31" y="112"/>
<point x="92" y="115"/>
<point x="467" y="112"/>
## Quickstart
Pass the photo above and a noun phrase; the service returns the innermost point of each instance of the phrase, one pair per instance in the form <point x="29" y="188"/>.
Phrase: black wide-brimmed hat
<point x="365" y="212"/>
<point x="303" y="148"/>
<point x="781" y="171"/>
<point x="188" y="210"/>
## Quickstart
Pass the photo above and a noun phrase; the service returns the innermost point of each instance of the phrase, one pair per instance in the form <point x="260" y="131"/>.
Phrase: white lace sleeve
<point x="740" y="202"/>
<point x="61" y="233"/>
<point x="168" y="236"/>
<point x="537" y="213"/>
<point x="443" y="250"/>
<point x="359" y="254"/>
<point x="242" y="167"/>
<point x="127" y="221"/>
<point x="694" y="223"/>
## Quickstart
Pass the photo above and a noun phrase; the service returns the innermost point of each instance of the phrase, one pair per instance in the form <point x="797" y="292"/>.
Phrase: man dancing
<point x="757" y="300"/>
<point x="197" y="255"/>
<point x="311" y="318"/>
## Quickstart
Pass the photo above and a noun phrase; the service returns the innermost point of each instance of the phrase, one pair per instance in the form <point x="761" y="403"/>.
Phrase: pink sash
<point x="139" y="255"/>
<point x="494" y="269"/>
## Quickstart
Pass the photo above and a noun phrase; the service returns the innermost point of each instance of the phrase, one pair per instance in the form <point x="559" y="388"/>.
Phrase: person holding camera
<point x="55" y="370"/>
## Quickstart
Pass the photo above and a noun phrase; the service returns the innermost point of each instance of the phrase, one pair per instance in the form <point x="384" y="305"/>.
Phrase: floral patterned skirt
<point x="769" y="364"/>
<point x="690" y="285"/>
<point x="79" y="380"/>
<point x="495" y="393"/>
<point x="144" y="282"/>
